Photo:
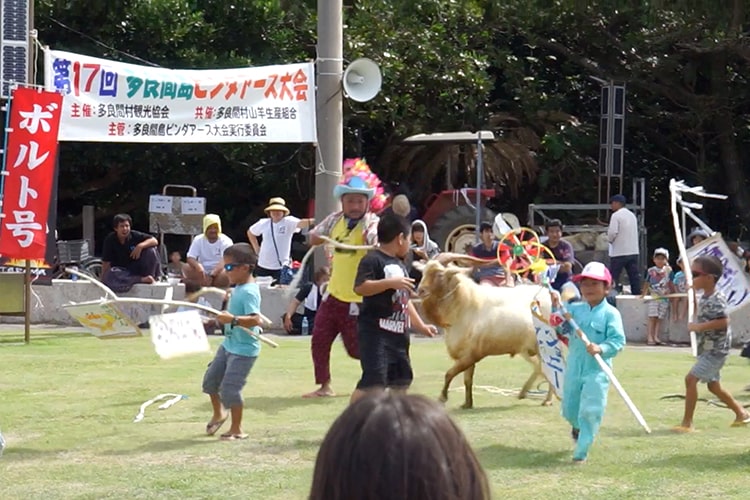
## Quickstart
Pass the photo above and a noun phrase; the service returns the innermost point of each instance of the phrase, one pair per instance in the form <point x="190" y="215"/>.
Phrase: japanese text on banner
<point x="109" y="101"/>
<point x="30" y="163"/>
<point x="733" y="282"/>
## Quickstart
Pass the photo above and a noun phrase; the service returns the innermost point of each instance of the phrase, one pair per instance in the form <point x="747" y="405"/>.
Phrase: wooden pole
<point x="27" y="304"/>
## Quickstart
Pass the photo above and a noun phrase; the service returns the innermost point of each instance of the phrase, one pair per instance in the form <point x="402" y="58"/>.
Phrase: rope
<point x="294" y="285"/>
<point x="710" y="402"/>
<point x="538" y="393"/>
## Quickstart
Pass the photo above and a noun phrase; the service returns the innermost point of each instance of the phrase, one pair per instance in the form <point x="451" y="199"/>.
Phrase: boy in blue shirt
<point x="227" y="373"/>
<point x="586" y="385"/>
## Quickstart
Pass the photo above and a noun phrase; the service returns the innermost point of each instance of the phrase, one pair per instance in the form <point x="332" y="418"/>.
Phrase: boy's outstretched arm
<point x="419" y="324"/>
<point x="373" y="287"/>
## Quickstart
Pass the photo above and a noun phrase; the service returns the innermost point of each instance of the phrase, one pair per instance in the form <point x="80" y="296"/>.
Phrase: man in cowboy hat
<point x="276" y="233"/>
<point x="205" y="257"/>
<point x="354" y="225"/>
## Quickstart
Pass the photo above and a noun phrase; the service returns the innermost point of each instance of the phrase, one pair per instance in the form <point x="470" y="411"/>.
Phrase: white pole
<point x="607" y="371"/>
<point x="675" y="196"/>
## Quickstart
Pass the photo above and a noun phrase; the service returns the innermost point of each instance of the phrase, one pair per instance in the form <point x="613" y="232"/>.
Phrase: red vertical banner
<point x="30" y="159"/>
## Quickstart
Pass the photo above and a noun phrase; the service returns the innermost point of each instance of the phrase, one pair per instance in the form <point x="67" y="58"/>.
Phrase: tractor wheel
<point x="454" y="231"/>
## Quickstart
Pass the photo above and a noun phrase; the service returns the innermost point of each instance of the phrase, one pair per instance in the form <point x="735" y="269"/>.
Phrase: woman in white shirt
<point x="276" y="233"/>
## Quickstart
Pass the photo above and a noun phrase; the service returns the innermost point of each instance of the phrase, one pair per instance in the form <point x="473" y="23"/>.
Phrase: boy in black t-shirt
<point x="386" y="314"/>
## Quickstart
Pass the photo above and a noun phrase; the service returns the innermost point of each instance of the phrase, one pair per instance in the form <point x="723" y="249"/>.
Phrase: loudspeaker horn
<point x="362" y="80"/>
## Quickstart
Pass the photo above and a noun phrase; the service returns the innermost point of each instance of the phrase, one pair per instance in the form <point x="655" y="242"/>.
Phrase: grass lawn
<point x="67" y="404"/>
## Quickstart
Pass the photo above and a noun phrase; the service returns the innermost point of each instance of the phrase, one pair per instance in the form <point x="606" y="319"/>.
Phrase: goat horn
<point x="447" y="257"/>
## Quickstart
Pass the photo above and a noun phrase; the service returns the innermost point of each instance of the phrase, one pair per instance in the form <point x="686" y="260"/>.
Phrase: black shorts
<point x="262" y="271"/>
<point x="384" y="358"/>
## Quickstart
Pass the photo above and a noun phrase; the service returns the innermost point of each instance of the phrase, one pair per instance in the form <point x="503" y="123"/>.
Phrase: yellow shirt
<point x="345" y="262"/>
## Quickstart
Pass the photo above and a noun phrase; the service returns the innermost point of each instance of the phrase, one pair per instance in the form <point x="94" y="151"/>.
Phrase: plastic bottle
<point x="305" y="326"/>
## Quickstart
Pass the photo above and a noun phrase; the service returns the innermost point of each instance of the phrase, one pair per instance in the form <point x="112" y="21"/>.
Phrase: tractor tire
<point x="454" y="231"/>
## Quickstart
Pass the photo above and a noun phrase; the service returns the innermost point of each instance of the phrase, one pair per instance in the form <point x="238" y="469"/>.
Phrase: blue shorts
<point x="226" y="376"/>
<point x="707" y="367"/>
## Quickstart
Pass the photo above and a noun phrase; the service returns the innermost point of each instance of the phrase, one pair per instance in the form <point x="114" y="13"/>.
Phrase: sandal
<point x="233" y="437"/>
<point x="681" y="429"/>
<point x="743" y="422"/>
<point x="212" y="427"/>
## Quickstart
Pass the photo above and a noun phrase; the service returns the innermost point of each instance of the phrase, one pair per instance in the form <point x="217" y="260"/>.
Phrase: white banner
<point x="109" y="101"/>
<point x="734" y="282"/>
<point x="550" y="351"/>
<point x="178" y="334"/>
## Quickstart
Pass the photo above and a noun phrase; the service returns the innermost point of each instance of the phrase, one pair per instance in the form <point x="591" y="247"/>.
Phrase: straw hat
<point x="277" y="203"/>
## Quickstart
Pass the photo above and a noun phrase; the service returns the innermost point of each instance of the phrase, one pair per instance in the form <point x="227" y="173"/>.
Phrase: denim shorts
<point x="226" y="376"/>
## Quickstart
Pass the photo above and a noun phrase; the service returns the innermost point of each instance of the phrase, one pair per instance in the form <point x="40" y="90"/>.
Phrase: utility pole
<point x="329" y="103"/>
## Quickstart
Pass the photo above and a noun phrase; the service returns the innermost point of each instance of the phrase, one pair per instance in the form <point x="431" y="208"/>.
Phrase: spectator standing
<point x="623" y="243"/>
<point x="276" y="232"/>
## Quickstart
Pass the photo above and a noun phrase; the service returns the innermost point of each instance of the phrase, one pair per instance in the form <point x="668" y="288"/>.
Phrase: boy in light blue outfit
<point x="586" y="385"/>
<point x="227" y="373"/>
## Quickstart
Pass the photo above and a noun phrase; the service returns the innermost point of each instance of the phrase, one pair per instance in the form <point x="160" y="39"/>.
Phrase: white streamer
<point x="175" y="398"/>
<point x="676" y="188"/>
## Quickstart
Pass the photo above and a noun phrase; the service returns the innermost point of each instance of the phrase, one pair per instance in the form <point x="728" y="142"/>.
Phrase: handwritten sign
<point x="193" y="206"/>
<point x="103" y="319"/>
<point x="550" y="351"/>
<point x="178" y="334"/>
<point x="160" y="204"/>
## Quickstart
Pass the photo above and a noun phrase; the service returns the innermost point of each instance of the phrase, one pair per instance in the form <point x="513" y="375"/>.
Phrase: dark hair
<point x="553" y="223"/>
<point x="389" y="445"/>
<point x="117" y="219"/>
<point x="192" y="286"/>
<point x="390" y="226"/>
<point x="710" y="264"/>
<point x="485" y="226"/>
<point x="417" y="228"/>
<point x="242" y="253"/>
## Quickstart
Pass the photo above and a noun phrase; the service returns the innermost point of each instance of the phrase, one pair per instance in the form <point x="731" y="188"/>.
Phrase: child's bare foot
<point x="148" y="280"/>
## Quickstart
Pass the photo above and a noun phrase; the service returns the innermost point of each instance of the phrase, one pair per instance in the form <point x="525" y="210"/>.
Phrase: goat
<point x="481" y="320"/>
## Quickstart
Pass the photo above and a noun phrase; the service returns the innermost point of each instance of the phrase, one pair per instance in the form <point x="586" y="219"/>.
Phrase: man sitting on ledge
<point x="129" y="256"/>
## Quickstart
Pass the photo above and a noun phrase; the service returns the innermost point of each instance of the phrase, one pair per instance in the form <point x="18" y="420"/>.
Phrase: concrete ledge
<point x="47" y="302"/>
<point x="634" y="311"/>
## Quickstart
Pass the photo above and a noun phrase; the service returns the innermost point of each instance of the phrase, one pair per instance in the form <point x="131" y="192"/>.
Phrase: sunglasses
<point x="231" y="265"/>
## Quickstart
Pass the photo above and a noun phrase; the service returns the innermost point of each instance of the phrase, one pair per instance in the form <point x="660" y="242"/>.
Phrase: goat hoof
<point x="442" y="398"/>
<point x="467" y="406"/>
<point x="522" y="395"/>
<point x="546" y="403"/>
